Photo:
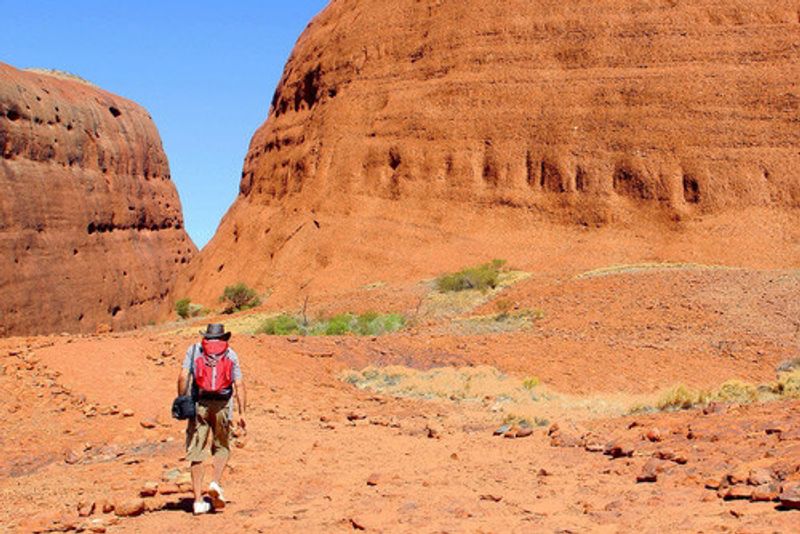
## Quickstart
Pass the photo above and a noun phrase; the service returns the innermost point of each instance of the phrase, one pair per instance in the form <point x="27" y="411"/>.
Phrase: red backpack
<point x="213" y="370"/>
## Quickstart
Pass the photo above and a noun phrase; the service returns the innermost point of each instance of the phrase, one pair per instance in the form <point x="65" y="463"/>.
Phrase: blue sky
<point x="205" y="70"/>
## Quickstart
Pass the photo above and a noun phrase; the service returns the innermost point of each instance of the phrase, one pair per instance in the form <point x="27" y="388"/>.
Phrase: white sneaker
<point x="201" y="507"/>
<point x="217" y="497"/>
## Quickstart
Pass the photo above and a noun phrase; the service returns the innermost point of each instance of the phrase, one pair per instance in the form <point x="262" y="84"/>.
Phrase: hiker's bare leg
<point x="197" y="480"/>
<point x="220" y="461"/>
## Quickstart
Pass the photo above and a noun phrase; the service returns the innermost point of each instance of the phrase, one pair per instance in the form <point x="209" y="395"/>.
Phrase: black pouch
<point x="183" y="408"/>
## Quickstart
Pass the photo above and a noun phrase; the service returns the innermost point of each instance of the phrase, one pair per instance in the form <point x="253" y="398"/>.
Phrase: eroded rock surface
<point x="91" y="229"/>
<point x="400" y="128"/>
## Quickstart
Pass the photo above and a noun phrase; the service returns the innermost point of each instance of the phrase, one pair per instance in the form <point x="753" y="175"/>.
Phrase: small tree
<point x="239" y="297"/>
<point x="182" y="308"/>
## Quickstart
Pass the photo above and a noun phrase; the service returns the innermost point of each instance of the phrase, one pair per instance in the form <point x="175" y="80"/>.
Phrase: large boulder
<point x="91" y="229"/>
<point x="409" y="136"/>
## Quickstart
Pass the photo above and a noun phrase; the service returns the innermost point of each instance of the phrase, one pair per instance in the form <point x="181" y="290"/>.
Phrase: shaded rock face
<point x="91" y="229"/>
<point x="621" y="113"/>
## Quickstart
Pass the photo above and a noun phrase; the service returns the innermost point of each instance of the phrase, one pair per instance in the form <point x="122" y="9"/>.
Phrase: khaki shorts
<point x="213" y="417"/>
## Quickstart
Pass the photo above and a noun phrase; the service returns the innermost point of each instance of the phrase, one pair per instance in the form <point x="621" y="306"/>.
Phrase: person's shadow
<point x="182" y="505"/>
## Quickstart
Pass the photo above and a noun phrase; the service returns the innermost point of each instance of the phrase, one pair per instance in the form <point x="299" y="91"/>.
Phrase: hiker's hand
<point x="241" y="423"/>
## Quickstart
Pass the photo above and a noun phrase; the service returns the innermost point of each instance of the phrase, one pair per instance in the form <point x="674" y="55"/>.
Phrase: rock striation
<point x="91" y="229"/>
<point x="409" y="117"/>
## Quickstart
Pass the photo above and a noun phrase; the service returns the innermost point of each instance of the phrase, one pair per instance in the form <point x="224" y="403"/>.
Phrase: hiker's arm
<point x="183" y="380"/>
<point x="240" y="392"/>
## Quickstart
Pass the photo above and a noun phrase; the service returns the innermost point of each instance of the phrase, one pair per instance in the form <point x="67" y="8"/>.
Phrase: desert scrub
<point x="681" y="397"/>
<point x="239" y="297"/>
<point x="481" y="277"/>
<point x="788" y="384"/>
<point x="186" y="309"/>
<point x="366" y="324"/>
<point x="182" y="308"/>
<point x="282" y="325"/>
<point x="733" y="391"/>
<point x="531" y="383"/>
<point x="736" y="391"/>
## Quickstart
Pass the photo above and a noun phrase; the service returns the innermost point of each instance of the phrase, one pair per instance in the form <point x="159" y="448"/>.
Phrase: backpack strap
<point x="191" y="371"/>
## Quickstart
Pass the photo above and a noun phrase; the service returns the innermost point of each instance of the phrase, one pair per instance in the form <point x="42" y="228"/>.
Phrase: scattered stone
<point x="491" y="498"/>
<point x="672" y="456"/>
<point x="760" y="477"/>
<point x="524" y="432"/>
<point x="292" y="339"/>
<point x="168" y="488"/>
<point x="501" y="431"/>
<point x="739" y="475"/>
<point x="790" y="496"/>
<point x="564" y="439"/>
<point x="766" y="493"/>
<point x="433" y="430"/>
<point x="654" y="435"/>
<point x="736" y="492"/>
<point x="72" y="456"/>
<point x="149" y="489"/>
<point x="154" y="505"/>
<point x="356" y="416"/>
<point x="544" y="472"/>
<point x="595" y="446"/>
<point x="85" y="509"/>
<point x="357" y="523"/>
<point x="373" y="479"/>
<point x="50" y="522"/>
<point x="128" y="413"/>
<point x="129" y="507"/>
<point x="650" y="471"/>
<point x="148" y="423"/>
<point x="105" y="506"/>
<point x="618" y="449"/>
<point x="97" y="525"/>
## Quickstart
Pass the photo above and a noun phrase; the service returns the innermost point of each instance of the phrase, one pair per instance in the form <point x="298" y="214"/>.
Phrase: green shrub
<point x="239" y="297"/>
<point x="338" y="325"/>
<point x="481" y="277"/>
<point x="182" y="308"/>
<point x="282" y="325"/>
<point x="367" y="324"/>
<point x="373" y="324"/>
<point x="531" y="382"/>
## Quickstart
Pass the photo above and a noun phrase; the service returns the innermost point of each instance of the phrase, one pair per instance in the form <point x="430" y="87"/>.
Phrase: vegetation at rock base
<point x="239" y="297"/>
<point x="365" y="324"/>
<point x="681" y="397"/>
<point x="481" y="277"/>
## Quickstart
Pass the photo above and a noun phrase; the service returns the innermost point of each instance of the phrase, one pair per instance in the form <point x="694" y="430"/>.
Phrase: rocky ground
<point x="88" y="444"/>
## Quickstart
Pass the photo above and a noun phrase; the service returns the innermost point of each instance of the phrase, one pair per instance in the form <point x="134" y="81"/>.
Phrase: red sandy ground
<point x="435" y="465"/>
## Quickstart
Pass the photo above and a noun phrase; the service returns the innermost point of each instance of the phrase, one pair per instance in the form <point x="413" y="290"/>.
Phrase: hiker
<point x="213" y="368"/>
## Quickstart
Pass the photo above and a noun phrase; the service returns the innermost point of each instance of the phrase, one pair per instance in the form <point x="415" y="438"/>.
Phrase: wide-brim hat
<point x="216" y="331"/>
